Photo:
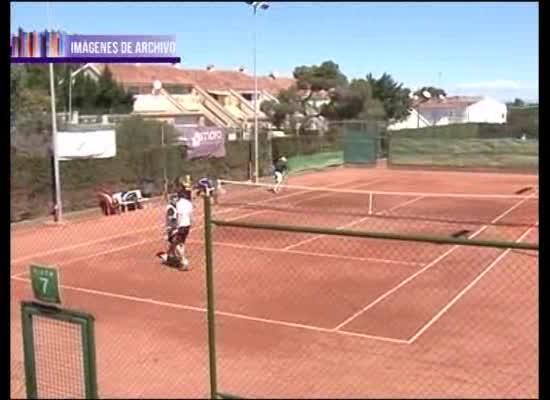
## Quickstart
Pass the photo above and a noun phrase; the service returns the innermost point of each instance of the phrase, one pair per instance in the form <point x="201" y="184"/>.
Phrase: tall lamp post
<point x="58" y="206"/>
<point x="262" y="5"/>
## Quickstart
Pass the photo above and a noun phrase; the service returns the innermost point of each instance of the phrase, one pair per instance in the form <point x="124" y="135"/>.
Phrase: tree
<point x="110" y="94"/>
<point x="344" y="104"/>
<point x="324" y="77"/>
<point x="296" y="104"/>
<point x="518" y="103"/>
<point x="30" y="109"/>
<point x="434" y="92"/>
<point x="394" y="97"/>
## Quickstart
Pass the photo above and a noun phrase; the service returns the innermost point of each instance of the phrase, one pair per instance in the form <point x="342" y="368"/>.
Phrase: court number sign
<point x="45" y="284"/>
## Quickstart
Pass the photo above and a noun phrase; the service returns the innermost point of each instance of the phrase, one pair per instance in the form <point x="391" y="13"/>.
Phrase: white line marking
<point x="79" y="245"/>
<point x="463" y="291"/>
<point x="159" y="226"/>
<point x="99" y="254"/>
<point x="223" y="313"/>
<point x="482" y="196"/>
<point x="428" y="266"/>
<point x="381" y="338"/>
<point x="315" y="254"/>
<point x="358" y="221"/>
<point x="324" y="194"/>
<point x="65" y="263"/>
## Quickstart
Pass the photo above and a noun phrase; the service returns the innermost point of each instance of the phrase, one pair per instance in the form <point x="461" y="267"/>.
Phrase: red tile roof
<point x="448" y="102"/>
<point x="132" y="74"/>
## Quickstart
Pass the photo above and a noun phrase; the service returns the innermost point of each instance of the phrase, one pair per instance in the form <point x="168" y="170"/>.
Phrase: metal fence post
<point x="210" y="295"/>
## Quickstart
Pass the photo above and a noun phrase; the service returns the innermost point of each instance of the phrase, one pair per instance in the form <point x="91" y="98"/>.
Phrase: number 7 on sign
<point x="44" y="284"/>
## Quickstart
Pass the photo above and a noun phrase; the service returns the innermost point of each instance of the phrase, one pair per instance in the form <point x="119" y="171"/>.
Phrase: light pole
<point x="58" y="207"/>
<point x="70" y="97"/>
<point x="263" y="5"/>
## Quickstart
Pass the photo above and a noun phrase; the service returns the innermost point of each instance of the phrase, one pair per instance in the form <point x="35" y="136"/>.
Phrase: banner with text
<point x="58" y="46"/>
<point x="202" y="142"/>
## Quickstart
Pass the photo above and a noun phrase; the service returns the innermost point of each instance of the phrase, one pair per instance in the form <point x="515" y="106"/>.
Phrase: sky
<point x="485" y="49"/>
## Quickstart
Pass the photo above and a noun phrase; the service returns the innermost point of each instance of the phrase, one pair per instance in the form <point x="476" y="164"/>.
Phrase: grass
<point x="493" y="153"/>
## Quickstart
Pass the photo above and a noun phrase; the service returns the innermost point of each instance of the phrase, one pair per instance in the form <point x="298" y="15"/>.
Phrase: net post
<point x="210" y="295"/>
<point x="370" y="202"/>
<point x="88" y="343"/>
<point x="28" y="352"/>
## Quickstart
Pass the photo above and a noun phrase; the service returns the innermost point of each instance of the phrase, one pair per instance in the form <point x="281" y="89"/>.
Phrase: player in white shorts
<point x="280" y="170"/>
<point x="178" y="224"/>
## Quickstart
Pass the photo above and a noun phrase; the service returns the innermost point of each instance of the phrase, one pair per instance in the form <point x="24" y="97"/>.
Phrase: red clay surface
<point x="301" y="315"/>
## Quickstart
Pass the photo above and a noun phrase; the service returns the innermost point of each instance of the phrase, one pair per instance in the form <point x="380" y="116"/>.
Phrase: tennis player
<point x="178" y="224"/>
<point x="280" y="171"/>
<point x="210" y="186"/>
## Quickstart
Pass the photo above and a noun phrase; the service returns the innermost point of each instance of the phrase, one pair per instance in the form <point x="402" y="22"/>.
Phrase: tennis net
<point x="304" y="204"/>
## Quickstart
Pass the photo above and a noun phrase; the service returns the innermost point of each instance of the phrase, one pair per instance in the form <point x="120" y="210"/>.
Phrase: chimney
<point x="157" y="85"/>
<point x="210" y="67"/>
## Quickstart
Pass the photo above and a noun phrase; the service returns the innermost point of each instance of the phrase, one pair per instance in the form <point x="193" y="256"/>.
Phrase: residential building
<point x="192" y="96"/>
<point x="453" y="110"/>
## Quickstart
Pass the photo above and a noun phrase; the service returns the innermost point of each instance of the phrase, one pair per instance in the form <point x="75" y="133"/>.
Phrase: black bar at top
<point x="106" y="60"/>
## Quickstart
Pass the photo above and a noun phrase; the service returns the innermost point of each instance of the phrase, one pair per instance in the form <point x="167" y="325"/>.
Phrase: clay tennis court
<point x="305" y="315"/>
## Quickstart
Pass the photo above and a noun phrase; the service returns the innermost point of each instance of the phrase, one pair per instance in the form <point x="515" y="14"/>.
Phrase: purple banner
<point x="202" y="141"/>
<point x="119" y="46"/>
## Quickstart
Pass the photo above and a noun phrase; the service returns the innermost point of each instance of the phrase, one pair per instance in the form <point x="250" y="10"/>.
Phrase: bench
<point x="120" y="202"/>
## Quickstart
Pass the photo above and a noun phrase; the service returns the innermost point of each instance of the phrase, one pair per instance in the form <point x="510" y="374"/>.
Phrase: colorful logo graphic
<point x="38" y="44"/>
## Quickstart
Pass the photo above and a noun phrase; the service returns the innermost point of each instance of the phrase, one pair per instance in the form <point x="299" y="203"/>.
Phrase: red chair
<point x="108" y="205"/>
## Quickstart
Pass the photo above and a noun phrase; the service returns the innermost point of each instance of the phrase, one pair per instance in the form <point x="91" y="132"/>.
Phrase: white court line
<point x="311" y="239"/>
<point x="481" y="196"/>
<point x="310" y="253"/>
<point x="223" y="313"/>
<point x="78" y="245"/>
<point x="98" y="254"/>
<point x="234" y="245"/>
<point x="463" y="291"/>
<point x="428" y="266"/>
<point x="115" y="249"/>
<point x="121" y="235"/>
<point x="308" y="199"/>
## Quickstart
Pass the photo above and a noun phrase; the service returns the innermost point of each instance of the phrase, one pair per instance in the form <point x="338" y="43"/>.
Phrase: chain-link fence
<point x="150" y="318"/>
<point x="471" y="146"/>
<point x="312" y="299"/>
<point x="148" y="158"/>
<point x="315" y="293"/>
<point x="332" y="144"/>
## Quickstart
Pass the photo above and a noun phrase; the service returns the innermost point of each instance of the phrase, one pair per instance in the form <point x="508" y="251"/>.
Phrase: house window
<point x="133" y="90"/>
<point x="178" y="89"/>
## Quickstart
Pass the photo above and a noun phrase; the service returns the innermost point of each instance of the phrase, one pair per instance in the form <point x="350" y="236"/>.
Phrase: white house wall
<point x="413" y="121"/>
<point x="151" y="103"/>
<point x="444" y="116"/>
<point x="488" y="111"/>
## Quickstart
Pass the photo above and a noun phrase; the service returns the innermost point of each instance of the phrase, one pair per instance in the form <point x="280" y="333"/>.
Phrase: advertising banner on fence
<point x="85" y="145"/>
<point x="201" y="141"/>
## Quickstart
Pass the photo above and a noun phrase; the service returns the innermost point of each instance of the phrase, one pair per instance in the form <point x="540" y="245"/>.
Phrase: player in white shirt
<point x="280" y="172"/>
<point x="178" y="224"/>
